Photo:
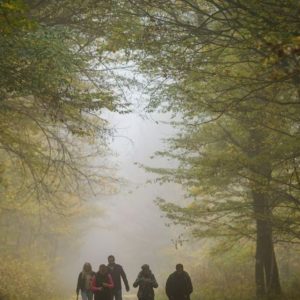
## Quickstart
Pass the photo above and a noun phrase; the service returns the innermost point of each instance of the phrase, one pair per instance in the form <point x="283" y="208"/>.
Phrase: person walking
<point x="102" y="284"/>
<point x="117" y="273"/>
<point x="84" y="282"/>
<point x="146" y="283"/>
<point x="179" y="285"/>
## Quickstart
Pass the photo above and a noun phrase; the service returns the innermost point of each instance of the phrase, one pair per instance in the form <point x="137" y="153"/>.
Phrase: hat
<point x="145" y="267"/>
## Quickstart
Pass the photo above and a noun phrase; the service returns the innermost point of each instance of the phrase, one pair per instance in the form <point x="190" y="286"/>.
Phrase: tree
<point x="52" y="91"/>
<point x="52" y="88"/>
<point x="231" y="69"/>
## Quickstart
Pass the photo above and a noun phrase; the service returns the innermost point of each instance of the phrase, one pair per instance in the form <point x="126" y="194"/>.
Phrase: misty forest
<point x="161" y="132"/>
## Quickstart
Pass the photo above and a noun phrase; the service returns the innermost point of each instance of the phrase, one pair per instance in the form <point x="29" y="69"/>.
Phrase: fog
<point x="131" y="227"/>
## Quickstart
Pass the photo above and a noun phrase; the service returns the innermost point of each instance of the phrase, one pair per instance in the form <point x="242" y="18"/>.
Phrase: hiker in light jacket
<point x="146" y="283"/>
<point x="84" y="282"/>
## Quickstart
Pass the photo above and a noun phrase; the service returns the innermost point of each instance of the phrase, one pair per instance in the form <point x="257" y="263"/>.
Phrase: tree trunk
<point x="259" y="262"/>
<point x="266" y="270"/>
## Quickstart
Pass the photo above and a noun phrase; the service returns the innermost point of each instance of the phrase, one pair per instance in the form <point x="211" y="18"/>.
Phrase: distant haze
<point x="131" y="228"/>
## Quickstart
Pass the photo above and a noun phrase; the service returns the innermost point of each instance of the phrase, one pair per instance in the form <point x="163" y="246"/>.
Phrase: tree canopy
<point x="228" y="71"/>
<point x="231" y="70"/>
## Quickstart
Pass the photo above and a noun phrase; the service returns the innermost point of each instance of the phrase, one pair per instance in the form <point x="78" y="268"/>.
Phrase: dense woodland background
<point x="228" y="72"/>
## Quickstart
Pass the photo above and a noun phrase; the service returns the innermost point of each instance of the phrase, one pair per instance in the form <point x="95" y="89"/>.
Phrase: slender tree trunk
<point x="266" y="270"/>
<point x="259" y="262"/>
<point x="271" y="270"/>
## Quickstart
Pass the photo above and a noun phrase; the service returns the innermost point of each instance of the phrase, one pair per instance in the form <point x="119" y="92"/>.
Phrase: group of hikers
<point x="106" y="283"/>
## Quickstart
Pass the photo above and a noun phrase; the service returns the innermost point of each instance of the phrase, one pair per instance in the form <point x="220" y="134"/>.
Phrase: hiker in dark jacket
<point x="102" y="284"/>
<point x="179" y="285"/>
<point x="84" y="282"/>
<point x="117" y="273"/>
<point x="146" y="283"/>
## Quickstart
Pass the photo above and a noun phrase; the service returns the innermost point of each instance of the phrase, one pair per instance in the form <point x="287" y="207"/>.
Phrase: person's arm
<point x="94" y="287"/>
<point x="124" y="278"/>
<point x="154" y="282"/>
<point x="110" y="283"/>
<point x="168" y="287"/>
<point x="78" y="284"/>
<point x="189" y="284"/>
<point x="137" y="281"/>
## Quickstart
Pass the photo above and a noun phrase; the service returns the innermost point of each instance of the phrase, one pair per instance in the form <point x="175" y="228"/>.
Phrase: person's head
<point x="111" y="259"/>
<point x="87" y="268"/>
<point x="146" y="270"/>
<point x="179" y="268"/>
<point x="103" y="269"/>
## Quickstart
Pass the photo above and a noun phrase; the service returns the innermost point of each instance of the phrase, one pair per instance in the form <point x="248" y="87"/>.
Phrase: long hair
<point x="87" y="269"/>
